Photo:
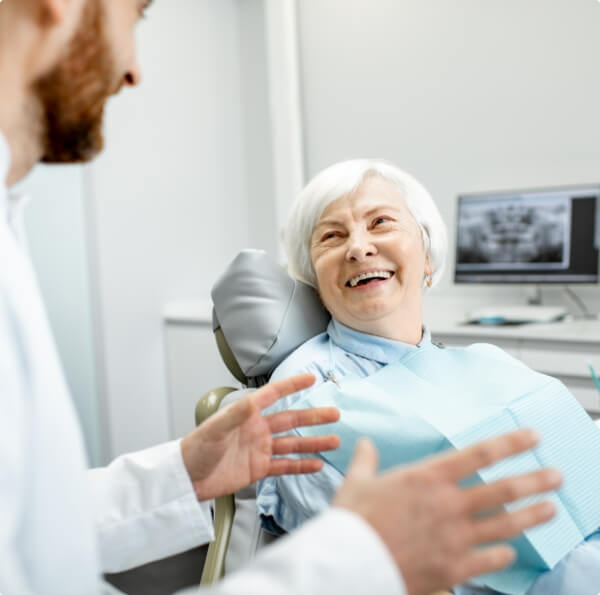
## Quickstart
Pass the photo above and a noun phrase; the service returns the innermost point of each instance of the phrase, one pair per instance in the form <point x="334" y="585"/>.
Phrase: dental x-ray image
<point x="518" y="233"/>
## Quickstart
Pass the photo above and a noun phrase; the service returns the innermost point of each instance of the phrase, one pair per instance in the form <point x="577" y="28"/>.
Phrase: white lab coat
<point x="142" y="504"/>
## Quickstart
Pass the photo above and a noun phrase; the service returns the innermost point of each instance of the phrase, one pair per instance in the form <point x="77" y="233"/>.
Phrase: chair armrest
<point x="209" y="402"/>
<point x="214" y="566"/>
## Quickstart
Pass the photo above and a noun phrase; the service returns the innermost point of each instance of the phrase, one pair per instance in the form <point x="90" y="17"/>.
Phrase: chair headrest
<point x="263" y="314"/>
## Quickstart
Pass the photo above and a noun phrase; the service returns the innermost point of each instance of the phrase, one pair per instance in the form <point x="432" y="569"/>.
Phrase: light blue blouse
<point x="287" y="501"/>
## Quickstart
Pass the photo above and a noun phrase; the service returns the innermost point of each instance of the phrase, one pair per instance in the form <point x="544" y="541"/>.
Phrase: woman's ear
<point x="428" y="276"/>
<point x="428" y="267"/>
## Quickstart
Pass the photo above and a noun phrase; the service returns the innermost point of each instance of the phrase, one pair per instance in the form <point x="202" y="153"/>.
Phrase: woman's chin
<point x="375" y="298"/>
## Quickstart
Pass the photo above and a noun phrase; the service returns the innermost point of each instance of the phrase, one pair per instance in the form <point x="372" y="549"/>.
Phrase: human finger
<point x="482" y="561"/>
<point x="283" y="421"/>
<point x="364" y="460"/>
<point x="269" y="393"/>
<point x="457" y="465"/>
<point x="284" y="466"/>
<point x="295" y="444"/>
<point x="486" y="497"/>
<point x="230" y="417"/>
<point x="234" y="415"/>
<point x="507" y="524"/>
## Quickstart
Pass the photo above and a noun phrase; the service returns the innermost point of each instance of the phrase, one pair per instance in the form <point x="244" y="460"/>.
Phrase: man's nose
<point x="133" y="76"/>
<point x="359" y="248"/>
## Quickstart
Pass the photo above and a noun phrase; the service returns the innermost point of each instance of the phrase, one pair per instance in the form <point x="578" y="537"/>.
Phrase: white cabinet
<point x="194" y="365"/>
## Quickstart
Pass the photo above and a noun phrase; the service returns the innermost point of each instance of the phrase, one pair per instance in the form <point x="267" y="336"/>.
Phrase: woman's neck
<point x="405" y="325"/>
<point x="405" y="331"/>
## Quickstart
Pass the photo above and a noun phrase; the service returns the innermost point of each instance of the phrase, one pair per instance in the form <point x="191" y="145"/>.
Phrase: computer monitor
<point x="529" y="236"/>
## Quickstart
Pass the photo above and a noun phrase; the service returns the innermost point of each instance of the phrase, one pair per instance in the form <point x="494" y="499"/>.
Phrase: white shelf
<point x="198" y="311"/>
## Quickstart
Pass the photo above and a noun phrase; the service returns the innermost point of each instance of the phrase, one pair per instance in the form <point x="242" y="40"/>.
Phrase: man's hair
<point x="342" y="179"/>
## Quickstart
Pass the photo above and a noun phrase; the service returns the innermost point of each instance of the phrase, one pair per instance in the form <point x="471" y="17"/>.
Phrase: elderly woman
<point x="370" y="239"/>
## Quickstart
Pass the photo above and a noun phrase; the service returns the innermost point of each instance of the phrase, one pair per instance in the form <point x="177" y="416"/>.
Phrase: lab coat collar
<point x="372" y="347"/>
<point x="11" y="205"/>
<point x="4" y="169"/>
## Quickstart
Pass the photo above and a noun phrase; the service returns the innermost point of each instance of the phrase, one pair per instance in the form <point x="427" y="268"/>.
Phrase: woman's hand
<point x="234" y="447"/>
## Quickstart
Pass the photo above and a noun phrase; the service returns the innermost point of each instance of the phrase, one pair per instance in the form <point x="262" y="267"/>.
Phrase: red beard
<point x="74" y="93"/>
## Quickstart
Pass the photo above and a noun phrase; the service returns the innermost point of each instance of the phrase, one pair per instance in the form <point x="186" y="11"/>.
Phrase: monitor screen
<point x="529" y="236"/>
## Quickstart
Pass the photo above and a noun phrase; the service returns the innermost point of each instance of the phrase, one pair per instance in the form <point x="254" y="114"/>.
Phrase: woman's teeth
<point x="371" y="275"/>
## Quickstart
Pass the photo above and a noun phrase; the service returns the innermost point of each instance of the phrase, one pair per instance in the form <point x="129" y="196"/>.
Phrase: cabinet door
<point x="567" y="361"/>
<point x="194" y="367"/>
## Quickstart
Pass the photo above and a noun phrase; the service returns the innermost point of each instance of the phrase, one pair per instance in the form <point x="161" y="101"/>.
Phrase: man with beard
<point x="411" y="530"/>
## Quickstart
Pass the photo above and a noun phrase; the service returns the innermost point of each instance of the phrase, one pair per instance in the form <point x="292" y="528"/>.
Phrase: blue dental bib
<point x="435" y="399"/>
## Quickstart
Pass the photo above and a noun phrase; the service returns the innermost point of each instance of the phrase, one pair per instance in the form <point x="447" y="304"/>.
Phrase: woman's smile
<point x="369" y="279"/>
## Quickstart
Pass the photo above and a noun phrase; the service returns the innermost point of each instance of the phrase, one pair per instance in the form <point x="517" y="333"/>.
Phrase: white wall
<point x="169" y="200"/>
<point x="57" y="233"/>
<point x="466" y="95"/>
<point x="256" y="123"/>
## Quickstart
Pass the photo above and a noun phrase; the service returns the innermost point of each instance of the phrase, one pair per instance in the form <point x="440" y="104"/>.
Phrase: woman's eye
<point x="328" y="236"/>
<point x="380" y="220"/>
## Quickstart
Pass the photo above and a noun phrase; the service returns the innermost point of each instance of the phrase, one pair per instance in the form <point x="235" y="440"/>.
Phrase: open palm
<point x="235" y="446"/>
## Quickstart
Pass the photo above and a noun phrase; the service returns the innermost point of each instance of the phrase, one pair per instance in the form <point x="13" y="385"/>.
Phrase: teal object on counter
<point x="594" y="377"/>
<point x="435" y="399"/>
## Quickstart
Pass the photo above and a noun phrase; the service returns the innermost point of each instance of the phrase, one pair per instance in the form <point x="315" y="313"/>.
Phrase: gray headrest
<point x="263" y="312"/>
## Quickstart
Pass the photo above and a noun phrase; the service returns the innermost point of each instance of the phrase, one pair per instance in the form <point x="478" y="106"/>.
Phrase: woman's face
<point x="368" y="255"/>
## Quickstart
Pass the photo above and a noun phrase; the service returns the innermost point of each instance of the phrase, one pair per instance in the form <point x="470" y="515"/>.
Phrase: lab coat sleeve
<point x="337" y="552"/>
<point x="145" y="508"/>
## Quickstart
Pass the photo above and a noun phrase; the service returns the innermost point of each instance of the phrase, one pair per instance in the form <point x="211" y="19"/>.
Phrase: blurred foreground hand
<point x="434" y="529"/>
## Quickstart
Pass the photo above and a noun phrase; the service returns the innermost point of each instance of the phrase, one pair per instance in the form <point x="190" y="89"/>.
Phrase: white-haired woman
<point x="370" y="239"/>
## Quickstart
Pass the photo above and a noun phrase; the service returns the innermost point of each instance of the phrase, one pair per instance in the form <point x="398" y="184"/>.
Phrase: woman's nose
<point x="360" y="248"/>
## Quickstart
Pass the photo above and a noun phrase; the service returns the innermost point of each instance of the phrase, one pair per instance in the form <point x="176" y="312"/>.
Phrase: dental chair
<point x="260" y="316"/>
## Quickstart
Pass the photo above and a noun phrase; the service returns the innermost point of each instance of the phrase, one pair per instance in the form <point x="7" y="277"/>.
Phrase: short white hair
<point x="342" y="179"/>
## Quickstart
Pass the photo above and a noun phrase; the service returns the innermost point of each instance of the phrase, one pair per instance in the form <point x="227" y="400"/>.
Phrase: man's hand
<point x="235" y="446"/>
<point x="431" y="526"/>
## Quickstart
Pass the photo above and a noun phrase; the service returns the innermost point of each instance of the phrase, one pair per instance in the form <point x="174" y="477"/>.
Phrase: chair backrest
<point x="261" y="315"/>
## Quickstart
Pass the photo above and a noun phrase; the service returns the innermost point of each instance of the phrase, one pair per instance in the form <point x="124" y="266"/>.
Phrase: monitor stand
<point x="534" y="295"/>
